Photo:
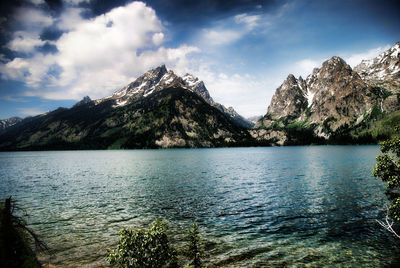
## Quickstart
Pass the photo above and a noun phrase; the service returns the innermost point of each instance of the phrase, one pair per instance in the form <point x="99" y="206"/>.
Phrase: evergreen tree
<point x="194" y="248"/>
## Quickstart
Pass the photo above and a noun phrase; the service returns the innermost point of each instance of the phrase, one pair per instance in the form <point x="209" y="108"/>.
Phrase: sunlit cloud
<point x="94" y="56"/>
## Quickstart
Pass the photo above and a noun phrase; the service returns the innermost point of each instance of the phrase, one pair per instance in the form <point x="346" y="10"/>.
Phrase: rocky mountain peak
<point x="288" y="100"/>
<point x="6" y="123"/>
<point x="158" y="71"/>
<point x="291" y="80"/>
<point x="160" y="78"/>
<point x="335" y="64"/>
<point x="84" y="100"/>
<point x="383" y="70"/>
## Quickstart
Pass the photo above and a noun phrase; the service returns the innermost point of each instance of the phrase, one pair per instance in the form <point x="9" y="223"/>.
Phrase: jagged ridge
<point x="160" y="78"/>
<point x="333" y="99"/>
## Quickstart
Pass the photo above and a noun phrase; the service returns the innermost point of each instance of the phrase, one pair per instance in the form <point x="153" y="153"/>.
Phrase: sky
<point x="55" y="52"/>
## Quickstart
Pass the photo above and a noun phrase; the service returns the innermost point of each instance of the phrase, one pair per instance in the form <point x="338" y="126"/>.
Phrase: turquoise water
<point x="286" y="206"/>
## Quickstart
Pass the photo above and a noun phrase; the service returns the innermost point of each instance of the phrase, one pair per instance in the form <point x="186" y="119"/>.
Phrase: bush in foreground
<point x="151" y="248"/>
<point x="388" y="169"/>
<point x="144" y="248"/>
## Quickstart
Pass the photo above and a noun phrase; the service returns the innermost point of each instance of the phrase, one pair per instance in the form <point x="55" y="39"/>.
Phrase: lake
<point x="275" y="206"/>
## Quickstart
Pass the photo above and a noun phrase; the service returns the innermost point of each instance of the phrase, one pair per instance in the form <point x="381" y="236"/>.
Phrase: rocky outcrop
<point x="383" y="69"/>
<point x="339" y="94"/>
<point x="287" y="104"/>
<point x="84" y="100"/>
<point x="6" y="123"/>
<point x="383" y="74"/>
<point x="333" y="99"/>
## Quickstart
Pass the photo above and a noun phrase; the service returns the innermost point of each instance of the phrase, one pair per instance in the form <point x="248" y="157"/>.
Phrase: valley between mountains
<point x="335" y="104"/>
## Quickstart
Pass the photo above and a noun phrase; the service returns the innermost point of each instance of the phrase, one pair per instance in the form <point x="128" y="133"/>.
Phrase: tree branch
<point x="388" y="225"/>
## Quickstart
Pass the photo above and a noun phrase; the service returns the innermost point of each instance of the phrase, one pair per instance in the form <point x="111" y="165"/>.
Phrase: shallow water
<point x="286" y="206"/>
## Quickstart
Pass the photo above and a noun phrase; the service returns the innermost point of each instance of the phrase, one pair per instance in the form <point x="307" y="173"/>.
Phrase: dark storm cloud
<point x="187" y="12"/>
<point x="48" y="48"/>
<point x="98" y="7"/>
<point x="55" y="5"/>
<point x="202" y="12"/>
<point x="51" y="34"/>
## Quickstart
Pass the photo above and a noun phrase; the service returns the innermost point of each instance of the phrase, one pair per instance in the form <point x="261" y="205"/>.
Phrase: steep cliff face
<point x="334" y="100"/>
<point x="287" y="104"/>
<point x="383" y="74"/>
<point x="340" y="95"/>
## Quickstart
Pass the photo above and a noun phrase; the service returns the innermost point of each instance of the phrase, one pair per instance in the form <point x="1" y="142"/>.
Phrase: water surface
<point x="286" y="206"/>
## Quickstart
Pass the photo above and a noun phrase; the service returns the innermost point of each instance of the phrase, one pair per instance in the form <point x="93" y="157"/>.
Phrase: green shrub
<point x="144" y="248"/>
<point x="388" y="169"/>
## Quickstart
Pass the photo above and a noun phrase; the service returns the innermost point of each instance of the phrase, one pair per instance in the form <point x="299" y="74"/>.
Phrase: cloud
<point x="218" y="37"/>
<point x="355" y="59"/>
<point x="76" y="2"/>
<point x="158" y="38"/>
<point x="31" y="111"/>
<point x="33" y="17"/>
<point x="24" y="42"/>
<point x="12" y="98"/>
<point x="248" y="94"/>
<point x="93" y="56"/>
<point x="37" y="2"/>
<point x="251" y="21"/>
<point x="70" y="18"/>
<point x="304" y="67"/>
<point x="230" y="30"/>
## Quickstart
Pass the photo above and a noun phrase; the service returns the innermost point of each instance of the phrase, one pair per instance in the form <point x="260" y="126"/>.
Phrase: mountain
<point x="383" y="73"/>
<point x="85" y="100"/>
<point x="335" y="103"/>
<point x="159" y="78"/>
<point x="155" y="111"/>
<point x="6" y="123"/>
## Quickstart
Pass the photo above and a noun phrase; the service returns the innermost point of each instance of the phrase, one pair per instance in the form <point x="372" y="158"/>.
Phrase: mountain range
<point x="334" y="104"/>
<point x="157" y="110"/>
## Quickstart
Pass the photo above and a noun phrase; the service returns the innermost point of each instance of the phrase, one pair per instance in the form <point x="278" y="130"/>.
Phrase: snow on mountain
<point x="383" y="68"/>
<point x="160" y="78"/>
<point x="6" y="123"/>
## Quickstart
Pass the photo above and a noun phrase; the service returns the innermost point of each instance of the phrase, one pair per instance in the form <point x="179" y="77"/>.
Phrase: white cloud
<point x="12" y="98"/>
<point x="70" y="18"/>
<point x="158" y="38"/>
<point x="219" y="37"/>
<point x="96" y="56"/>
<point x="304" y="67"/>
<point x="24" y="41"/>
<point x="33" y="17"/>
<point x="31" y="111"/>
<point x="355" y="59"/>
<point x="248" y="94"/>
<point x="251" y="21"/>
<point x="230" y="30"/>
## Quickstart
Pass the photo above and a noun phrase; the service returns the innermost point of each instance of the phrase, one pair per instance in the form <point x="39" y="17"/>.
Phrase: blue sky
<point x="53" y="53"/>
